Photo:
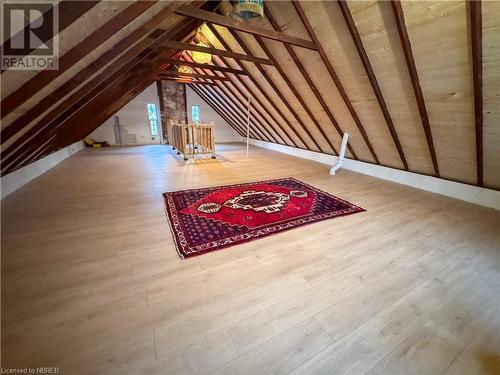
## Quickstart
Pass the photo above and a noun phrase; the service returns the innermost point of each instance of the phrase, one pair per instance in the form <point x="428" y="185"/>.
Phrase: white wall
<point x="468" y="193"/>
<point x="16" y="179"/>
<point x="134" y="121"/>
<point x="223" y="131"/>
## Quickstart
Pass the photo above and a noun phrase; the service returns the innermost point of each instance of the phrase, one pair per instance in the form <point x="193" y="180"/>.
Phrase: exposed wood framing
<point x="189" y="75"/>
<point x="163" y="56"/>
<point x="476" y="28"/>
<point x="83" y="75"/>
<point x="78" y="52"/>
<point x="226" y="53"/>
<point x="237" y="95"/>
<point x="216" y="109"/>
<point x="334" y="77"/>
<point x="281" y="96"/>
<point x="234" y="24"/>
<point x="264" y="94"/>
<point x="230" y="109"/>
<point x="313" y="88"/>
<point x="256" y="108"/>
<point x="69" y="11"/>
<point x="207" y="66"/>
<point x="225" y="88"/>
<point x="371" y="76"/>
<point x="412" y="68"/>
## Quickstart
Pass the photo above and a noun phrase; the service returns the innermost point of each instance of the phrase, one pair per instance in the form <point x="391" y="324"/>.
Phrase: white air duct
<point x="340" y="159"/>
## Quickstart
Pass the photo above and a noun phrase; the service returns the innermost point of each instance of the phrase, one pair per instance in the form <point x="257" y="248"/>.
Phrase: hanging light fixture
<point x="249" y="8"/>
<point x="201" y="57"/>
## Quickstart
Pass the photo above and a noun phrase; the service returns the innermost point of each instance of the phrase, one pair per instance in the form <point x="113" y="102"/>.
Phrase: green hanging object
<point x="249" y="8"/>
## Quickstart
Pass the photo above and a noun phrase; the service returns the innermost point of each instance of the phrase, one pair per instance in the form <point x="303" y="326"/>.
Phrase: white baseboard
<point x="13" y="181"/>
<point x="468" y="193"/>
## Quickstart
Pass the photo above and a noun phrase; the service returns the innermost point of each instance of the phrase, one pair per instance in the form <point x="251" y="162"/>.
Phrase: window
<point x="195" y="113"/>
<point x="153" y="119"/>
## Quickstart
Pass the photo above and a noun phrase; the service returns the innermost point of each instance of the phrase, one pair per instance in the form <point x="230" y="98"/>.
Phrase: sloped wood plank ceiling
<point x="398" y="77"/>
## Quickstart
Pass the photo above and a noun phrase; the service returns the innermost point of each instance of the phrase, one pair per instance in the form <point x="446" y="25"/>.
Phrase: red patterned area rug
<point x="204" y="220"/>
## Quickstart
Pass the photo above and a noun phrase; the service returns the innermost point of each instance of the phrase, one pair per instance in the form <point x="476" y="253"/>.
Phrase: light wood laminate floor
<point x="91" y="281"/>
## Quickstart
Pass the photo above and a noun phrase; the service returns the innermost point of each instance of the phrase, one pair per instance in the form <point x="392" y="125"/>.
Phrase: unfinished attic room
<point x="250" y="187"/>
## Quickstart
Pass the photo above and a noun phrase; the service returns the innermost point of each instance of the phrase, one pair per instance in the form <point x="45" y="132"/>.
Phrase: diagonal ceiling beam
<point x="133" y="39"/>
<point x="264" y="94"/>
<point x="219" y="52"/>
<point x="334" y="77"/>
<point x="476" y="28"/>
<point x="207" y="66"/>
<point x="216" y="109"/>
<point x="279" y="93"/>
<point x="312" y="86"/>
<point x="74" y="55"/>
<point x="412" y="68"/>
<point x="189" y="75"/>
<point x="104" y="93"/>
<point x="234" y="24"/>
<point x="230" y="95"/>
<point x="231" y="108"/>
<point x="293" y="89"/>
<point x="371" y="76"/>
<point x="242" y="97"/>
<point x="69" y="11"/>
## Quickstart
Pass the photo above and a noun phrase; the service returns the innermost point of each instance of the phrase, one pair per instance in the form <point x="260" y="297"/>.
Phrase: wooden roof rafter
<point x="417" y="89"/>
<point x="103" y="89"/>
<point x="69" y="12"/>
<point x="213" y="51"/>
<point x="228" y="104"/>
<point x="278" y="93"/>
<point x="174" y="74"/>
<point x="135" y="39"/>
<point x="75" y="54"/>
<point x="312" y="86"/>
<point x="476" y="40"/>
<point x="335" y="78"/>
<point x="344" y="8"/>
<point x="201" y="94"/>
<point x="264" y="94"/>
<point x="234" y="24"/>
<point x="228" y="88"/>
<point x="207" y="66"/>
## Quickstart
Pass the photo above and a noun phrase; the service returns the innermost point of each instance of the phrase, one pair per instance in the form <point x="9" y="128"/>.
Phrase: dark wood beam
<point x="198" y="91"/>
<point x="219" y="52"/>
<point x="476" y="28"/>
<point x="257" y="124"/>
<point x="84" y="74"/>
<point x="371" y="77"/>
<point x="241" y="112"/>
<point x="237" y="117"/>
<point x="247" y="27"/>
<point x="241" y="97"/>
<point x="292" y="88"/>
<point x="194" y="82"/>
<point x="263" y="93"/>
<point x="271" y="83"/>
<point x="66" y="108"/>
<point x="189" y="75"/>
<point x="74" y="55"/>
<point x="69" y="11"/>
<point x="334" y="77"/>
<point x="412" y="69"/>
<point x="229" y="94"/>
<point x="313" y="88"/>
<point x="159" y="58"/>
<point x="207" y="66"/>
